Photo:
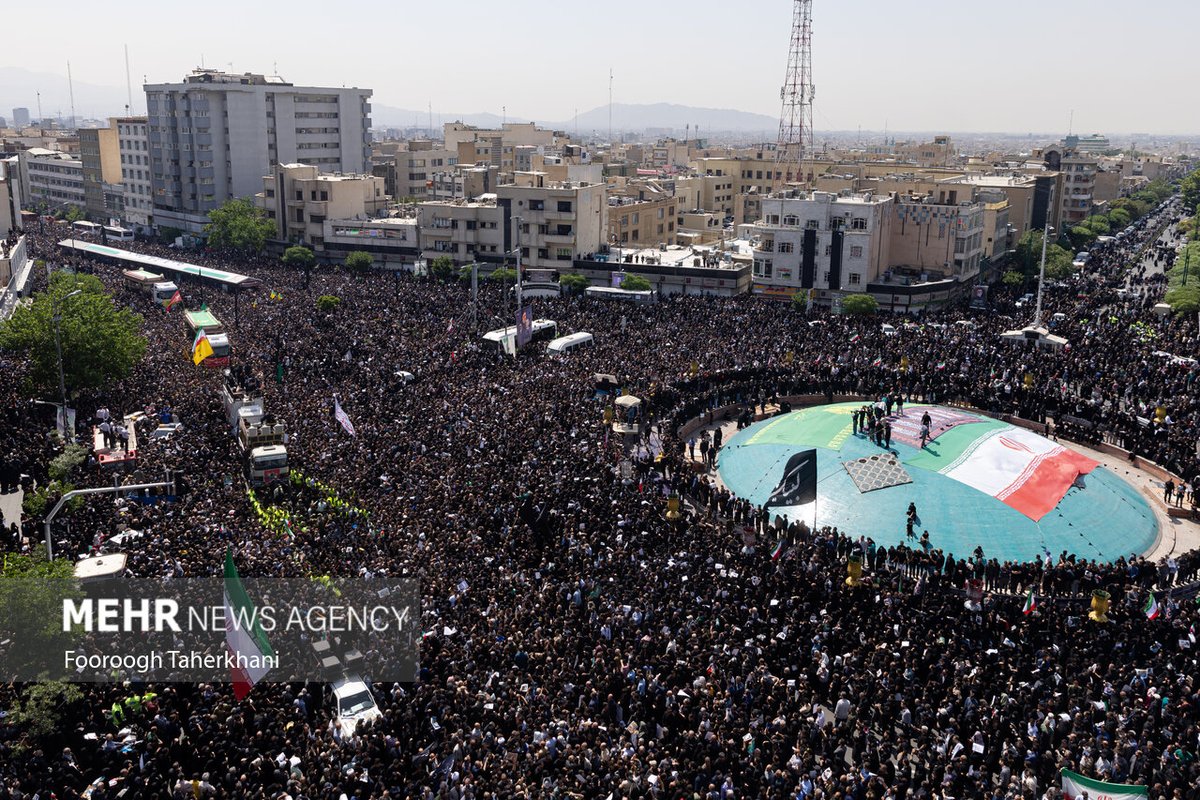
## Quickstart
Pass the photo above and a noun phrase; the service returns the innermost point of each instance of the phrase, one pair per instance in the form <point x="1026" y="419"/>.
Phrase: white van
<point x="565" y="344"/>
<point x="888" y="330"/>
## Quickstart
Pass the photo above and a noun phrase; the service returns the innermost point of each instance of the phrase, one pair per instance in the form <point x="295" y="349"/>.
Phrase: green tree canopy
<point x="1119" y="218"/>
<point x="359" y="262"/>
<point x="501" y="274"/>
<point x="574" y="282"/>
<point x="1184" y="299"/>
<point x="238" y="225"/>
<point x="32" y="589"/>
<point x="328" y="302"/>
<point x="635" y="283"/>
<point x="859" y="304"/>
<point x="73" y="214"/>
<point x="299" y="257"/>
<point x="442" y="268"/>
<point x="1013" y="278"/>
<point x="99" y="342"/>
<point x="1189" y="188"/>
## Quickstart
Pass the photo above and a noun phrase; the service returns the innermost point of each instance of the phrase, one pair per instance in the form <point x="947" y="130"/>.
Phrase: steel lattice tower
<point x="795" y="118"/>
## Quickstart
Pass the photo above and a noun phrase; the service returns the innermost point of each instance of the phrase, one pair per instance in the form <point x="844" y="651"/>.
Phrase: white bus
<point x="115" y="234"/>
<point x="506" y="338"/>
<point x="613" y="293"/>
<point x="565" y="344"/>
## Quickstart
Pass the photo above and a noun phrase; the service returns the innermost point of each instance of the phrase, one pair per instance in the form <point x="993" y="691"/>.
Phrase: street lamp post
<point x="62" y="384"/>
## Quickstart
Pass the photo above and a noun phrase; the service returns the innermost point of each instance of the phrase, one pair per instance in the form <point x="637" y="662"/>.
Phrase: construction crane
<point x="795" y="139"/>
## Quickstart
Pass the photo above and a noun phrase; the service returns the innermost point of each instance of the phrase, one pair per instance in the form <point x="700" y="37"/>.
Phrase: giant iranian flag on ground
<point x="1019" y="468"/>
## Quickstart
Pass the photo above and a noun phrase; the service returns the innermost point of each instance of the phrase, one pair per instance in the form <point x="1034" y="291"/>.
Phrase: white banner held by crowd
<point x="342" y="416"/>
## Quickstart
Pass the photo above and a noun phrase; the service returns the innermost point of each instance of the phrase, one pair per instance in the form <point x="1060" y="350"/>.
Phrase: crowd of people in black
<point x="583" y="644"/>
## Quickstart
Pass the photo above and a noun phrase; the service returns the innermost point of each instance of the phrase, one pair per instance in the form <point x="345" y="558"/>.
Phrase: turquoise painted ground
<point x="1103" y="521"/>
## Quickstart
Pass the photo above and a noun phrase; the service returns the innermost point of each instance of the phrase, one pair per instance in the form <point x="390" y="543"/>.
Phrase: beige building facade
<point x="299" y="199"/>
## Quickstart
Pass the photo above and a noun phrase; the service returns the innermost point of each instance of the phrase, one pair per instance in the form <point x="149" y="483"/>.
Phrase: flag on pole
<point x="855" y="338"/>
<point x="201" y="348"/>
<point x="1151" y="609"/>
<point x="1030" y="604"/>
<point x="174" y="300"/>
<point x="248" y="645"/>
<point x="342" y="416"/>
<point x="778" y="551"/>
<point x="1075" y="785"/>
<point x="941" y="365"/>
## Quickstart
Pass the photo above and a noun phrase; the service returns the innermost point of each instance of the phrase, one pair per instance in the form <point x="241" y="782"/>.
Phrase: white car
<point x="355" y="704"/>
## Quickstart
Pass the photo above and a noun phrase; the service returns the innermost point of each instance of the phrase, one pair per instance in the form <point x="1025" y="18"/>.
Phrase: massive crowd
<point x="600" y="649"/>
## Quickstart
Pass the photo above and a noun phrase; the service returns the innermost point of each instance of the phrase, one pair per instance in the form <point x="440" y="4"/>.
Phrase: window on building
<point x="564" y="205"/>
<point x="837" y="223"/>
<point x="825" y="277"/>
<point x="543" y="252"/>
<point x="855" y="279"/>
<point x="635" y="234"/>
<point x="767" y="246"/>
<point x="858" y="224"/>
<point x="772" y="219"/>
<point x="563" y="254"/>
<point x="813" y="225"/>
<point x="768" y="267"/>
<point x="828" y="249"/>
<point x="537" y="205"/>
<point x="786" y="247"/>
<point x="856" y="251"/>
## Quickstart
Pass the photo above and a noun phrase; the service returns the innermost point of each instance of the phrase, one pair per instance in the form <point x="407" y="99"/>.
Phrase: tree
<point x="73" y="214"/>
<point x="168" y="235"/>
<point x="299" y="257"/>
<point x="32" y="589"/>
<point x="1184" y="299"/>
<point x="1189" y="188"/>
<point x="574" y="283"/>
<point x="1081" y="236"/>
<point x="1119" y="218"/>
<point x="359" y="262"/>
<point x="240" y="226"/>
<point x="1099" y="224"/>
<point x="503" y="274"/>
<point x="1059" y="263"/>
<point x="1013" y="278"/>
<point x="635" y="283"/>
<point x="99" y="342"/>
<point x="859" y="304"/>
<point x="328" y="302"/>
<point x="442" y="268"/>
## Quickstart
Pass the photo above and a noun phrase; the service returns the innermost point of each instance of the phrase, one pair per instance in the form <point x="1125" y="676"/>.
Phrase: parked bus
<point x="565" y="344"/>
<point x="85" y="228"/>
<point x="506" y="338"/>
<point x="151" y="283"/>
<point x="115" y="234"/>
<point x="612" y="293"/>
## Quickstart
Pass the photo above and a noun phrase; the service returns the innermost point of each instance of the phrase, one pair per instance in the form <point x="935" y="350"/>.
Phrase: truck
<point x="263" y="441"/>
<point x="239" y="389"/>
<point x="155" y="286"/>
<point x="207" y="321"/>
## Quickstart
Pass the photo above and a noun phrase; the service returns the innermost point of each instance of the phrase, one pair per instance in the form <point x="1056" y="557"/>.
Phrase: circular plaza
<point x="975" y="482"/>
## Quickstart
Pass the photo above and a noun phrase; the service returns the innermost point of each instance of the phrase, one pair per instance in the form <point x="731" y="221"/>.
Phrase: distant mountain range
<point x="625" y="117"/>
<point x="20" y="87"/>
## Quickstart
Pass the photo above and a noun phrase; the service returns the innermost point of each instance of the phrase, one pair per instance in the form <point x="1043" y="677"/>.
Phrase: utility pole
<point x="517" y="251"/>
<point x="1037" y="314"/>
<point x="62" y="384"/>
<point x="474" y="297"/>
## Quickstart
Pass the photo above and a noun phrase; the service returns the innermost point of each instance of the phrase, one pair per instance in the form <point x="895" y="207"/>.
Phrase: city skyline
<point x="701" y="59"/>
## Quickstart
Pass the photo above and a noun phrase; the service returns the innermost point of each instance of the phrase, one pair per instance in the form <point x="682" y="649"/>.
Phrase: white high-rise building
<point x="134" y="145"/>
<point x="213" y="137"/>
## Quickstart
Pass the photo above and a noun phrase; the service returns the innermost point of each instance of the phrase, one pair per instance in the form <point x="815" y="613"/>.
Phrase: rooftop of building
<point x="994" y="180"/>
<point x="246" y="78"/>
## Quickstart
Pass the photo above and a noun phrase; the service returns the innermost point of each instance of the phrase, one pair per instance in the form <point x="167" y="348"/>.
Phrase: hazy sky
<point x="1018" y="66"/>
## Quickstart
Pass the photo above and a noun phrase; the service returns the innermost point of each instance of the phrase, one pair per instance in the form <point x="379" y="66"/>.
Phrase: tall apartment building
<point x="20" y="118"/>
<point x="214" y="135"/>
<point x="559" y="222"/>
<point x="641" y="219"/>
<point x="939" y="238"/>
<point x="463" y="230"/>
<point x="417" y="168"/>
<point x="300" y="199"/>
<point x="1079" y="181"/>
<point x="100" y="157"/>
<point x="50" y="177"/>
<point x="820" y="241"/>
<point x="133" y="144"/>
